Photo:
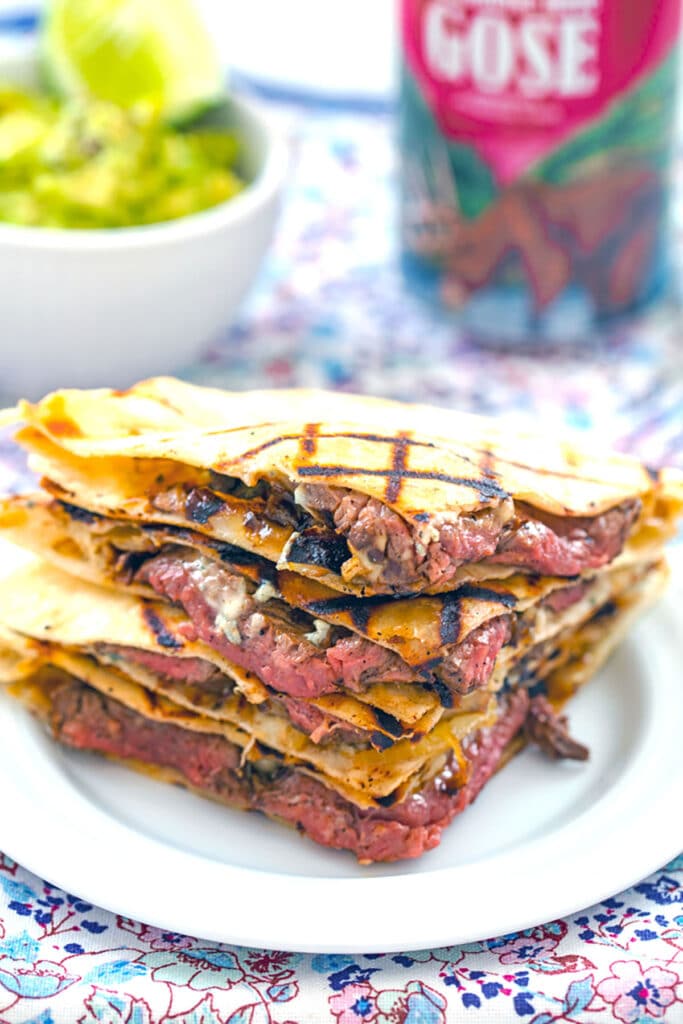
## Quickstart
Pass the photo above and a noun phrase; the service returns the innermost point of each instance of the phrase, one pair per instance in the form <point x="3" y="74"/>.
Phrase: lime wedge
<point x="131" y="51"/>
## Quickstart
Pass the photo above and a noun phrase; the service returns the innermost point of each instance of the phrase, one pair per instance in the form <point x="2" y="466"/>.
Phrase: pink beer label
<point x="516" y="78"/>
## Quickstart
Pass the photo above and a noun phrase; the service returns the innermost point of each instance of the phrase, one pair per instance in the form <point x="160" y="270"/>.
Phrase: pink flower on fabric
<point x="354" y="1004"/>
<point x="527" y="947"/>
<point x="636" y="993"/>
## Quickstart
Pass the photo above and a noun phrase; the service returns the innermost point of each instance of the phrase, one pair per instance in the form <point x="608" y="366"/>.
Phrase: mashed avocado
<point x="91" y="164"/>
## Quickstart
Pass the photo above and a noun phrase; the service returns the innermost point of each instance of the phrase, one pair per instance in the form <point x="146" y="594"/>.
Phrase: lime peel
<point x="131" y="51"/>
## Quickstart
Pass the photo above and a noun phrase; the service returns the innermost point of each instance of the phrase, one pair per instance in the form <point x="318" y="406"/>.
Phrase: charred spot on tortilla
<point x="487" y="462"/>
<point x="232" y="555"/>
<point x="360" y="617"/>
<point x="449" y="625"/>
<point x="309" y="440"/>
<point x="163" y="636"/>
<point x="79" y="515"/>
<point x="359" y="609"/>
<point x="442" y="691"/>
<point x="388" y="723"/>
<point x="399" y="466"/>
<point x="608" y="609"/>
<point x="387" y="801"/>
<point x="319" y="546"/>
<point x="473" y="592"/>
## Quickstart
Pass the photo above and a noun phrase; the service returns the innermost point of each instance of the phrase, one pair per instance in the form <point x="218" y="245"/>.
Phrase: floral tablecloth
<point x="63" y="961"/>
<point x="330" y="309"/>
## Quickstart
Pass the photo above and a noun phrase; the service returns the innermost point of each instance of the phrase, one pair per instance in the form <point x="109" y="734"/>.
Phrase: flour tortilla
<point x="420" y="629"/>
<point x="110" y="452"/>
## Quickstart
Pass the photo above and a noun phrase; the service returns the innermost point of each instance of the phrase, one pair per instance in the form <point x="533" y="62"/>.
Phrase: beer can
<point x="536" y="145"/>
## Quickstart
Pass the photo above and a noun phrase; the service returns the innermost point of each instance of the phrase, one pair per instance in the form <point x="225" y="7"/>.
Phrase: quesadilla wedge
<point x="97" y="707"/>
<point x="367" y="496"/>
<point x="343" y="612"/>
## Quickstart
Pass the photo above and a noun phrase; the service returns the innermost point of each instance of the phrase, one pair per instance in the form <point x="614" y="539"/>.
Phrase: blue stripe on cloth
<point x="18" y="23"/>
<point x="331" y="102"/>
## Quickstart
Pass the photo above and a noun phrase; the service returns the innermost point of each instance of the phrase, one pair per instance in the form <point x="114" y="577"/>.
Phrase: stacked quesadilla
<point x="343" y="612"/>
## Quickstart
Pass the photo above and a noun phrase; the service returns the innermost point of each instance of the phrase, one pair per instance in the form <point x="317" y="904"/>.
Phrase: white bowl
<point x="110" y="306"/>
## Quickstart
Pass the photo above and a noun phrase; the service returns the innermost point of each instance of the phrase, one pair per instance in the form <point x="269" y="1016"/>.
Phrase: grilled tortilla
<point x="424" y="632"/>
<point x="366" y="496"/>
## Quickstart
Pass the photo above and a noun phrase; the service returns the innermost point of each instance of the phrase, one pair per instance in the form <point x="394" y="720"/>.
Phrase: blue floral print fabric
<point x="63" y="961"/>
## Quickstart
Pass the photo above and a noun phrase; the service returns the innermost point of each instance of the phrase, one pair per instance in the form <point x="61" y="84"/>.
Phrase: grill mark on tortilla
<point x="443" y="692"/>
<point x="360" y="617"/>
<point x="163" y="637"/>
<point x="449" y="630"/>
<point x="488" y="468"/>
<point x="537" y="470"/>
<point x="232" y="555"/>
<point x="352" y="435"/>
<point x="487" y="489"/>
<point x="310" y="439"/>
<point x="348" y="435"/>
<point x="449" y="622"/>
<point x="359" y="608"/>
<point x="254" y="451"/>
<point x="151" y="699"/>
<point x="383" y="439"/>
<point x="487" y="462"/>
<point x="228" y="553"/>
<point x="476" y="593"/>
<point x="399" y="466"/>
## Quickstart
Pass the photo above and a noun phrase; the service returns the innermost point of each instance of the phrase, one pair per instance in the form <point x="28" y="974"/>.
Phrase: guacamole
<point x="90" y="164"/>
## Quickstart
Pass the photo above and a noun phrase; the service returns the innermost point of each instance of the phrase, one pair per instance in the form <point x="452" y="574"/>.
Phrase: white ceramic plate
<point x="543" y="840"/>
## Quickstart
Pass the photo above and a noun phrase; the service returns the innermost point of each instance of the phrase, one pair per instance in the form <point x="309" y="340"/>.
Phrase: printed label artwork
<point x="536" y="137"/>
